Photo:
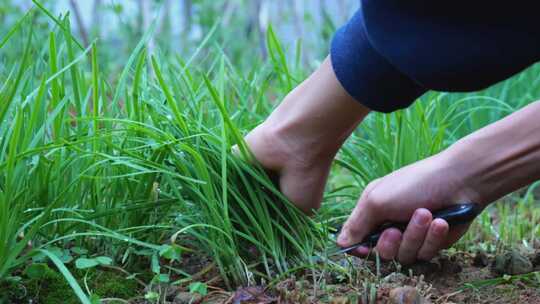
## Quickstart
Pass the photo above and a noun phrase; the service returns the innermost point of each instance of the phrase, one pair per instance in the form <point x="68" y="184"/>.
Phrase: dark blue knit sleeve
<point x="393" y="51"/>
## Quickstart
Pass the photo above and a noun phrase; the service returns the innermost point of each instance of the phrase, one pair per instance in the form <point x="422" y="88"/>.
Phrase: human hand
<point x="408" y="195"/>
<point x="299" y="140"/>
<point x="481" y="168"/>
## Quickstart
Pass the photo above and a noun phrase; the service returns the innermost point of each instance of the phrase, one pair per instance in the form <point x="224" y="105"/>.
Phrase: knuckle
<point x="417" y="235"/>
<point x="414" y="241"/>
<point x="375" y="200"/>
<point x="431" y="246"/>
<point x="414" y="237"/>
<point x="372" y="185"/>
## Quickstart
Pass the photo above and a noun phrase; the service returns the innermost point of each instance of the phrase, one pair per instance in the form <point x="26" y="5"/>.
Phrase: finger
<point x="388" y="244"/>
<point x="357" y="226"/>
<point x="360" y="252"/>
<point x="414" y="236"/>
<point x="360" y="223"/>
<point x="435" y="239"/>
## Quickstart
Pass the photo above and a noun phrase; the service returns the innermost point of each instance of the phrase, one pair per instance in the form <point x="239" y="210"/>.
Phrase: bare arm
<point x="501" y="157"/>
<point x="481" y="167"/>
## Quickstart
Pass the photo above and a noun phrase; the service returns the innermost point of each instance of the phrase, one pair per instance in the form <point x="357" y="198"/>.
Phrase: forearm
<point x="318" y="114"/>
<point x="501" y="157"/>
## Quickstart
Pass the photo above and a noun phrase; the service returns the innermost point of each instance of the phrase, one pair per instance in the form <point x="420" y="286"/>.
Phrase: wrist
<point x="498" y="159"/>
<point x="467" y="165"/>
<point x="317" y="116"/>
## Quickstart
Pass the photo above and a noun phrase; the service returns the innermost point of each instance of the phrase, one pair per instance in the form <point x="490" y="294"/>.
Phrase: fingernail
<point x="362" y="250"/>
<point x="439" y="228"/>
<point x="420" y="219"/>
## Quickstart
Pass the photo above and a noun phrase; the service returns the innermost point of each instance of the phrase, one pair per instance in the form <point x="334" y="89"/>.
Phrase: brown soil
<point x="451" y="278"/>
<point x="443" y="280"/>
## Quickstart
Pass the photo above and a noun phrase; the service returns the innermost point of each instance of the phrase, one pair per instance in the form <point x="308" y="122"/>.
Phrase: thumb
<point x="363" y="220"/>
<point x="359" y="224"/>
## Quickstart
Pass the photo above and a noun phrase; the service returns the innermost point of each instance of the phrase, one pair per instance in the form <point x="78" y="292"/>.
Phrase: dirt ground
<point x="454" y="277"/>
<point x="451" y="278"/>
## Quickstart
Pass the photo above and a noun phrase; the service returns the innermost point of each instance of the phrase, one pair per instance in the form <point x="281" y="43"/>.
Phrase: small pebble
<point x="395" y="278"/>
<point x="406" y="295"/>
<point x="512" y="263"/>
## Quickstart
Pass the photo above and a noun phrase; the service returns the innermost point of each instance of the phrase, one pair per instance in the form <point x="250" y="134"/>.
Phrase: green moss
<point x="52" y="288"/>
<point x="113" y="285"/>
<point x="11" y="292"/>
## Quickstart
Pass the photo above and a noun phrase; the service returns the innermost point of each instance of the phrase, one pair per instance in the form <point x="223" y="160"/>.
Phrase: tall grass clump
<point x="142" y="161"/>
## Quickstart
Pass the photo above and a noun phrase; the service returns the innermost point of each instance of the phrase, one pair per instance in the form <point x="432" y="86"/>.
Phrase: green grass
<point x="131" y="162"/>
<point x="80" y="168"/>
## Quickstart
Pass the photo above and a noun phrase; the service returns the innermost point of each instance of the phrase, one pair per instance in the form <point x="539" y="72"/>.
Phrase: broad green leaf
<point x="85" y="263"/>
<point x="79" y="250"/>
<point x="103" y="260"/>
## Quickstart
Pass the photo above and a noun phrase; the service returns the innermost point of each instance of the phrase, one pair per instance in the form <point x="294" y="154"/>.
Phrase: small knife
<point x="454" y="215"/>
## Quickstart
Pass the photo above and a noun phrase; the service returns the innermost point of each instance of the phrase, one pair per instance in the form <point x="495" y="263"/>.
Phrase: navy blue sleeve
<point x="392" y="51"/>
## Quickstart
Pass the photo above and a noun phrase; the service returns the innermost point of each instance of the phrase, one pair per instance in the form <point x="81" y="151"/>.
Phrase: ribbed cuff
<point x="368" y="76"/>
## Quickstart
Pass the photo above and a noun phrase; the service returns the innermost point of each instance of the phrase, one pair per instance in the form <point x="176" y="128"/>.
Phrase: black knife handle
<point x="455" y="215"/>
